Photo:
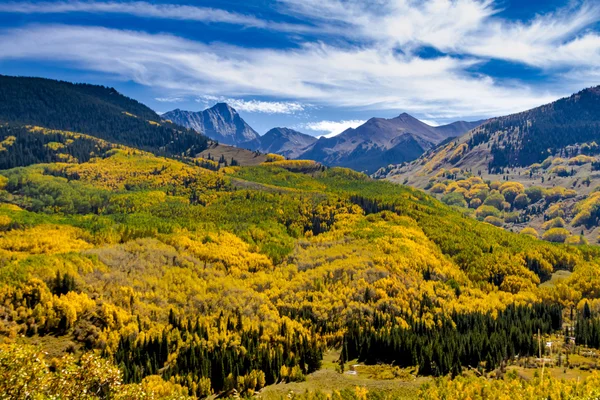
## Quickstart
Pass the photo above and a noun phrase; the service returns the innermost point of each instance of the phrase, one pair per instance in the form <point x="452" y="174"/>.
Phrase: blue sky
<point x="318" y="66"/>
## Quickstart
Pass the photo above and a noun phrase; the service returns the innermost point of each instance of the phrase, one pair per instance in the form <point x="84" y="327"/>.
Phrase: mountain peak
<point x="224" y="109"/>
<point x="284" y="141"/>
<point x="220" y="122"/>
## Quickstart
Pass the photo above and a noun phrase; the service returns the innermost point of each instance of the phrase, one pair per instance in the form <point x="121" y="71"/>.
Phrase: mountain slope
<point x="94" y="110"/>
<point x="567" y="127"/>
<point x="379" y="142"/>
<point x="536" y="169"/>
<point x="284" y="141"/>
<point x="220" y="122"/>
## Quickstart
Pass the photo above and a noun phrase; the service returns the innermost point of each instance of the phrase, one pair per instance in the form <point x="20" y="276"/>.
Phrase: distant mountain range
<point x="536" y="170"/>
<point x="558" y="129"/>
<point x="284" y="141"/>
<point x="379" y="142"/>
<point x="375" y="144"/>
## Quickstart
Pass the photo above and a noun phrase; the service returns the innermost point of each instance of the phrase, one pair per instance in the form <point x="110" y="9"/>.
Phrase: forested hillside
<point x="94" y="110"/>
<point x="244" y="277"/>
<point x="128" y="274"/>
<point x="534" y="172"/>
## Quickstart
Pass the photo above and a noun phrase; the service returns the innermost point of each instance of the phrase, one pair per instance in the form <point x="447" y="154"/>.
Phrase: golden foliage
<point x="530" y="232"/>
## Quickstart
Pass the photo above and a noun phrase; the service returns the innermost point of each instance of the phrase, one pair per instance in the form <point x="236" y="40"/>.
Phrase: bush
<point x="512" y="217"/>
<point x="576" y="240"/>
<point x="557" y="222"/>
<point x="274" y="157"/>
<point x="438" y="188"/>
<point x="559" y="170"/>
<point x="486" y="211"/>
<point x="535" y="193"/>
<point x="521" y="201"/>
<point x="555" y="211"/>
<point x="455" y="199"/>
<point x="475" y="203"/>
<point x="490" y="219"/>
<point x="529" y="231"/>
<point x="510" y="190"/>
<point x="495" y="200"/>
<point x="581" y="159"/>
<point x="556" y="235"/>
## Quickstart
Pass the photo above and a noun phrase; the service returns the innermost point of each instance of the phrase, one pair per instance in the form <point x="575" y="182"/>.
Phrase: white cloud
<point x="256" y="106"/>
<point x="429" y="122"/>
<point x="466" y="27"/>
<point x="168" y="99"/>
<point x="315" y="73"/>
<point x="150" y="10"/>
<point x="332" y="128"/>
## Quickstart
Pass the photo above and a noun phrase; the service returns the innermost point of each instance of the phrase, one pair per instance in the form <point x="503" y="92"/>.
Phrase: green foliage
<point x="495" y="200"/>
<point x="454" y="199"/>
<point x="535" y="193"/>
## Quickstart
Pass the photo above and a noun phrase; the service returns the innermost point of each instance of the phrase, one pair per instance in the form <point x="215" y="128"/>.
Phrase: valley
<point x="135" y="267"/>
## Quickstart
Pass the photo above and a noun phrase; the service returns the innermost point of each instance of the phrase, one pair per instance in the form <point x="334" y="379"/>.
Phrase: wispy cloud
<point x="315" y="73"/>
<point x="169" y="99"/>
<point x="464" y="27"/>
<point x="256" y="106"/>
<point x="151" y="10"/>
<point x="332" y="128"/>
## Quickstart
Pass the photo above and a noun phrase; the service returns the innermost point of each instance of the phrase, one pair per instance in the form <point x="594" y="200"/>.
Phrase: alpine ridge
<point x="221" y="122"/>
<point x="284" y="141"/>
<point x="379" y="142"/>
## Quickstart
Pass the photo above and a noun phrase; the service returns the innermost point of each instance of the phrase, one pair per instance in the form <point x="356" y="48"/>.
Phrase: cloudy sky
<point x="318" y="66"/>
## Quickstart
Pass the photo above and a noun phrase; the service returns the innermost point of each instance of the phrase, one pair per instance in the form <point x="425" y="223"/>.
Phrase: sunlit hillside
<point x="246" y="277"/>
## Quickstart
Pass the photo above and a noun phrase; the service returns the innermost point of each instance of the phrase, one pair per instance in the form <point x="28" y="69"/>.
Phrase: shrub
<point x="581" y="159"/>
<point x="547" y="163"/>
<point x="486" y="211"/>
<point x="535" y="193"/>
<point x="490" y="219"/>
<point x="495" y="185"/>
<point x="511" y="217"/>
<point x="510" y="190"/>
<point x="495" y="200"/>
<point x="455" y="199"/>
<point x="521" y="201"/>
<point x="529" y="231"/>
<point x="557" y="222"/>
<point x="576" y="240"/>
<point x="475" y="203"/>
<point x="559" y="170"/>
<point x="557" y="193"/>
<point x="555" y="211"/>
<point x="587" y="211"/>
<point x="274" y="157"/>
<point x="438" y="188"/>
<point x="556" y="235"/>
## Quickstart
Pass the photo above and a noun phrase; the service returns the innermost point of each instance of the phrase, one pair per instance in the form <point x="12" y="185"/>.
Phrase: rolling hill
<point x="131" y="275"/>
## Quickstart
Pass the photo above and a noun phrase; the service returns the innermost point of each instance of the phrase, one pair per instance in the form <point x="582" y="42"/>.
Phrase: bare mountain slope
<point x="379" y="142"/>
<point x="220" y="122"/>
